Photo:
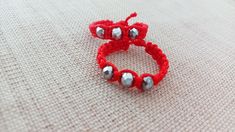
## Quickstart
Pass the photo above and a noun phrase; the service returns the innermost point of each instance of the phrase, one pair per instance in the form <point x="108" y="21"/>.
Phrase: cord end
<point x="134" y="14"/>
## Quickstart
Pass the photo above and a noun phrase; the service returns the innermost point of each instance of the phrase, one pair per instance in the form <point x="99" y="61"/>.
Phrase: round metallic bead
<point x="107" y="72"/>
<point x="117" y="33"/>
<point x="147" y="83"/>
<point x="100" y="32"/>
<point x="127" y="79"/>
<point x="133" y="33"/>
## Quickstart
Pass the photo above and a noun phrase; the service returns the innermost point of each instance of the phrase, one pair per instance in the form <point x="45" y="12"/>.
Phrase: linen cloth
<point x="49" y="79"/>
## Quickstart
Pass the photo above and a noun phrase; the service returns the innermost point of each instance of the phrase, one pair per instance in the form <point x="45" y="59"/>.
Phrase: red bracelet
<point x="106" y="29"/>
<point x="121" y="40"/>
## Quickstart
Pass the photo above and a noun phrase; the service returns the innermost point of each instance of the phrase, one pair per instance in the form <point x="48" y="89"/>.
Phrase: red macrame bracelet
<point x="121" y="41"/>
<point x="108" y="26"/>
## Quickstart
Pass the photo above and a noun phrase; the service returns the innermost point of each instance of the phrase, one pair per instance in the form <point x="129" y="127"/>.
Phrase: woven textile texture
<point x="49" y="79"/>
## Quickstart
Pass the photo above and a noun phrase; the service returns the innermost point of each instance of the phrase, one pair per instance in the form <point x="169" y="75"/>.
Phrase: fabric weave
<point x="49" y="79"/>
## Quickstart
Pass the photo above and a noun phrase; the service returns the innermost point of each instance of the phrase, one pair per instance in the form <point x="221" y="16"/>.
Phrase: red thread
<point x="151" y="49"/>
<point x="129" y="17"/>
<point x="108" y="25"/>
<point x="123" y="44"/>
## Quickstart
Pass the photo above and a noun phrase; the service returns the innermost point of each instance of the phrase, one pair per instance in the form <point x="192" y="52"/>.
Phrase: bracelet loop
<point x="142" y="82"/>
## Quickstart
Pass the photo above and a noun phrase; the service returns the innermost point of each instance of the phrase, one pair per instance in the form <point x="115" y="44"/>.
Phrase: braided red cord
<point x="123" y="44"/>
<point x="108" y="25"/>
<point x="151" y="49"/>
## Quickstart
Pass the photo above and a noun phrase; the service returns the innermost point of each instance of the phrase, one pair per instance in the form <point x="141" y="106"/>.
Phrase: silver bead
<point x="117" y="33"/>
<point x="107" y="72"/>
<point x="127" y="79"/>
<point x="133" y="33"/>
<point x="100" y="32"/>
<point x="147" y="83"/>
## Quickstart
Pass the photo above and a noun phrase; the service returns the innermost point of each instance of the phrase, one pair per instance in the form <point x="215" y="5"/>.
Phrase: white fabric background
<point x="49" y="79"/>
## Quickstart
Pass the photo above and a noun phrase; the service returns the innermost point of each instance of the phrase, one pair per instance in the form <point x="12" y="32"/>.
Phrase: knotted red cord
<point x="123" y="44"/>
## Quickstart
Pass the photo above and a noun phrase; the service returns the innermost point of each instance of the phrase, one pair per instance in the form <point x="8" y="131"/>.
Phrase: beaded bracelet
<point x="106" y="29"/>
<point x="121" y="36"/>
